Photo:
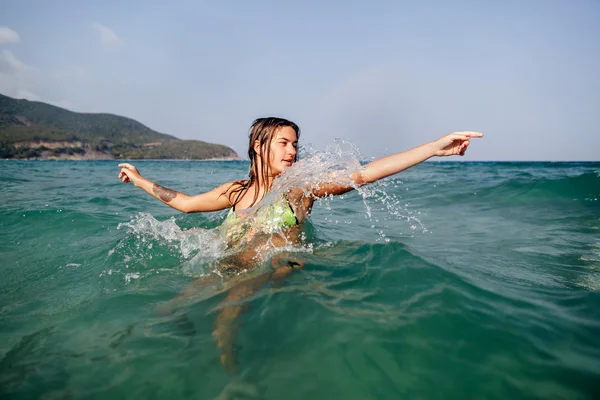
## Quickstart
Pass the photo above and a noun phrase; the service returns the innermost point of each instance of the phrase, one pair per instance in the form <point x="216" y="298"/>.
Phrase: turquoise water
<point x="453" y="280"/>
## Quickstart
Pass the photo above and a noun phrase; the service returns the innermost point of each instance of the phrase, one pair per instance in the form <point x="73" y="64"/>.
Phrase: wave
<point x="525" y="187"/>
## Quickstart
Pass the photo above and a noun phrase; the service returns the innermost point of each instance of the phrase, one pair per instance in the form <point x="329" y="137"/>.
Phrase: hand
<point x="455" y="143"/>
<point x="129" y="173"/>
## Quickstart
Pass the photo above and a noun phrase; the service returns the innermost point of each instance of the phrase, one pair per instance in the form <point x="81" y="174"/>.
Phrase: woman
<point x="272" y="149"/>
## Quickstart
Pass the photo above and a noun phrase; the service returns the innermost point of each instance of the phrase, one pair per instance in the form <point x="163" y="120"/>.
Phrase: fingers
<point x="463" y="136"/>
<point x="123" y="176"/>
<point x="456" y="143"/>
<point x="458" y="136"/>
<point x="463" y="147"/>
<point x="469" y="134"/>
<point x="126" y="170"/>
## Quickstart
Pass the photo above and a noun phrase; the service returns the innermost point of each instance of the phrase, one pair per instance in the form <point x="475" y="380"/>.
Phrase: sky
<point x="385" y="75"/>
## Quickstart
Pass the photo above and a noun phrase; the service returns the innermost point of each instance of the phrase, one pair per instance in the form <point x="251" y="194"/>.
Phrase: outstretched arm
<point x="216" y="199"/>
<point x="449" y="145"/>
<point x="452" y="144"/>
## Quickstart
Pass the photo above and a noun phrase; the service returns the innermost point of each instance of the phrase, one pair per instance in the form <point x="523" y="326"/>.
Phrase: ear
<point x="257" y="147"/>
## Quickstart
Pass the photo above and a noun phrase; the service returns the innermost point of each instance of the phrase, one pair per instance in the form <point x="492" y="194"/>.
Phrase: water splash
<point x="189" y="243"/>
<point x="261" y="229"/>
<point x="333" y="165"/>
<point x="336" y="165"/>
<point x="155" y="247"/>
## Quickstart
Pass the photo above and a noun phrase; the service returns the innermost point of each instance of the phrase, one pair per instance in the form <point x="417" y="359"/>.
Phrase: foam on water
<point x="146" y="228"/>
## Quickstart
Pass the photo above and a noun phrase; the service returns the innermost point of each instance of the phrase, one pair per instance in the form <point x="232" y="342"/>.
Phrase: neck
<point x="261" y="183"/>
<point x="262" y="186"/>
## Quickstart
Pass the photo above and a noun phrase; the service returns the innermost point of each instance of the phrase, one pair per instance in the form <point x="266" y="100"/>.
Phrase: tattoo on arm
<point x="163" y="193"/>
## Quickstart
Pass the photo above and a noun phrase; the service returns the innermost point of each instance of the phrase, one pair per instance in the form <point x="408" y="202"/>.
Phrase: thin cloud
<point x="107" y="36"/>
<point x="27" y="95"/>
<point x="7" y="35"/>
<point x="17" y="79"/>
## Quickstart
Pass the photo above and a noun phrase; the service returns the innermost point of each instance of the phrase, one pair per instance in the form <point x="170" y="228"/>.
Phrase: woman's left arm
<point x="452" y="144"/>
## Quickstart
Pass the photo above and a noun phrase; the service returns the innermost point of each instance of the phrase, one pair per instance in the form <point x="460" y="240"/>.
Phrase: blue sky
<point x="386" y="75"/>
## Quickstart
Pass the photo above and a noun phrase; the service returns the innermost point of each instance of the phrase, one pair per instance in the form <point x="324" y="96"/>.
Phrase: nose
<point x="292" y="150"/>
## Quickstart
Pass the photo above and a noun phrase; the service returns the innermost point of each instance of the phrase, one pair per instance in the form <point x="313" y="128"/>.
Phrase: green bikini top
<point x="270" y="219"/>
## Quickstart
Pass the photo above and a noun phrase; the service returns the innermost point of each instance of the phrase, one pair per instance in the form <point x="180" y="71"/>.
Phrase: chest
<point x="249" y="198"/>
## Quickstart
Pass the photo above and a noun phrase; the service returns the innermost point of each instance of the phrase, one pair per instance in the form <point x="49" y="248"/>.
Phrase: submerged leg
<point x="189" y="293"/>
<point x="225" y="328"/>
<point x="234" y="304"/>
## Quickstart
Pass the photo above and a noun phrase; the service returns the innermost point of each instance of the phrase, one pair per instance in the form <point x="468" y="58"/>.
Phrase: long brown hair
<point x="263" y="131"/>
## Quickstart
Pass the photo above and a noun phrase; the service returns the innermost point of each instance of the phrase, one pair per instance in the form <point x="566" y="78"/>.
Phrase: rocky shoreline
<point x="93" y="155"/>
<point x="80" y="151"/>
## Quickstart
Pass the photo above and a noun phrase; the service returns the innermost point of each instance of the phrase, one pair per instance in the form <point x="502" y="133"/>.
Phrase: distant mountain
<point x="31" y="129"/>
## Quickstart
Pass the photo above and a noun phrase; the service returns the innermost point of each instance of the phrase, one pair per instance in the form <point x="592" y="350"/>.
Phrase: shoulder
<point x="231" y="186"/>
<point x="232" y="190"/>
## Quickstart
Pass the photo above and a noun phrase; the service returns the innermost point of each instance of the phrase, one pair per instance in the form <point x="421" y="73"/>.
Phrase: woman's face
<point x="283" y="150"/>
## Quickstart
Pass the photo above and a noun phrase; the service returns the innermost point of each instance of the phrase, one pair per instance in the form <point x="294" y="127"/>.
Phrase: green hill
<point x="31" y="129"/>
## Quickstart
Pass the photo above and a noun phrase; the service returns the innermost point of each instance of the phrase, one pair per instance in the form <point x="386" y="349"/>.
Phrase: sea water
<point x="449" y="280"/>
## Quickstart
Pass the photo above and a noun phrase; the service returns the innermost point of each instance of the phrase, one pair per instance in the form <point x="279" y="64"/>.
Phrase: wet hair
<point x="263" y="131"/>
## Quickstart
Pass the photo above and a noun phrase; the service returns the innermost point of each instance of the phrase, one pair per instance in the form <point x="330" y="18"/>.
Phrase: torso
<point x="301" y="204"/>
<point x="254" y="241"/>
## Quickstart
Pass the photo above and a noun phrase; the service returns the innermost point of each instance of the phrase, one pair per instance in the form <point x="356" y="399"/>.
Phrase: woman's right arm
<point x="214" y="200"/>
